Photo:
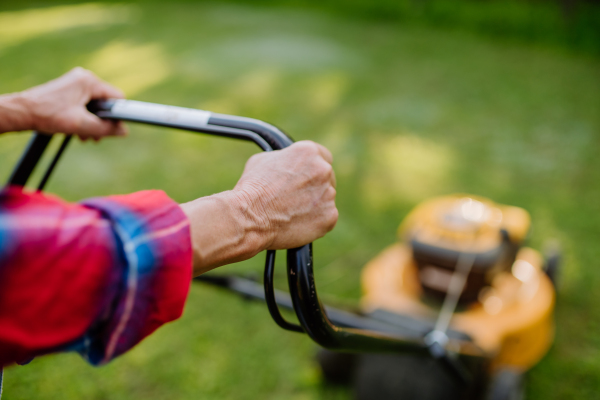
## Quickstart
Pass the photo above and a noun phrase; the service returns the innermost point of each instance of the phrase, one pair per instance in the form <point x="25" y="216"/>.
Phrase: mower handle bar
<point x="307" y="306"/>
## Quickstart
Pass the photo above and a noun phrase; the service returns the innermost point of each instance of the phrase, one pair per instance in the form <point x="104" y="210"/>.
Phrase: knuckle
<point x="332" y="192"/>
<point x="333" y="218"/>
<point x="307" y="146"/>
<point x="84" y="75"/>
<point x="255" y="158"/>
<point x="77" y="70"/>
<point x="324" y="170"/>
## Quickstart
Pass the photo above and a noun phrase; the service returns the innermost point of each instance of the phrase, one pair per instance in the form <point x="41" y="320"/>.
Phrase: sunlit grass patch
<point x="18" y="26"/>
<point x="131" y="67"/>
<point x="406" y="168"/>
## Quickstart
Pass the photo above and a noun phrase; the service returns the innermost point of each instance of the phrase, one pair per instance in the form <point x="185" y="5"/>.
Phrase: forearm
<point x="225" y="229"/>
<point x="14" y="114"/>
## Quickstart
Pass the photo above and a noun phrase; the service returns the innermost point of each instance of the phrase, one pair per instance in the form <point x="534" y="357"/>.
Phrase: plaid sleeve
<point x="95" y="277"/>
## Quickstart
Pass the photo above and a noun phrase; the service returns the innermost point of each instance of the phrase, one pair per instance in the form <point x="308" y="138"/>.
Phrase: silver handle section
<point x="187" y="119"/>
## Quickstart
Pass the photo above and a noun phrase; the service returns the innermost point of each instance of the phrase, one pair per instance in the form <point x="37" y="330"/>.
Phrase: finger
<point x="92" y="126"/>
<point x="325" y="153"/>
<point x="332" y="179"/>
<point x="96" y="87"/>
<point x="103" y="90"/>
<point x="332" y="218"/>
<point x="121" y="129"/>
<point x="329" y="194"/>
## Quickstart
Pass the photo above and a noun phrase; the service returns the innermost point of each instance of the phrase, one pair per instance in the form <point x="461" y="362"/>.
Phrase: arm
<point x="59" y="106"/>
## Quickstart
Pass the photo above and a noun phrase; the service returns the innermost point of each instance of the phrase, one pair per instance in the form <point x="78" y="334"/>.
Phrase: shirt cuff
<point x="153" y="278"/>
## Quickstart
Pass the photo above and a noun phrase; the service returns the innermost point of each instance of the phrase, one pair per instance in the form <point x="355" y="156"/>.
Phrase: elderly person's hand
<point x="291" y="193"/>
<point x="284" y="199"/>
<point x="59" y="106"/>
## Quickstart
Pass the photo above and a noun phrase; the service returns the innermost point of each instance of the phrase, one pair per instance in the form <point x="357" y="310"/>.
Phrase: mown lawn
<point x="408" y="113"/>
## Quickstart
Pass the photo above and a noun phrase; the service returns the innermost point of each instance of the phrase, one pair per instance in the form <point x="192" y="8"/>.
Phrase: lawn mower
<point x="457" y="309"/>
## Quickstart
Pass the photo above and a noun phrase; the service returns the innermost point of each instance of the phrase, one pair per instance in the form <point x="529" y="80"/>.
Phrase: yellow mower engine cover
<point x="508" y="300"/>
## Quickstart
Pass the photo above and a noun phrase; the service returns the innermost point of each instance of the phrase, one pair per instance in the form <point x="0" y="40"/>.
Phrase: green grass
<point x="408" y="112"/>
<point x="567" y="24"/>
<point x="540" y="21"/>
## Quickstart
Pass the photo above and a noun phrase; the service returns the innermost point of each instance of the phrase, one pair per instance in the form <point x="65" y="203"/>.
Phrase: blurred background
<point x="499" y="98"/>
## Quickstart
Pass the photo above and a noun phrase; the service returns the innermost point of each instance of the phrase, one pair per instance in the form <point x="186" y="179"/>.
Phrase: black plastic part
<point x="499" y="258"/>
<point x="506" y="384"/>
<point x="270" y="295"/>
<point x="261" y="128"/>
<point x="337" y="368"/>
<point x="31" y="156"/>
<point x="432" y="254"/>
<point x="453" y="366"/>
<point x="402" y="376"/>
<point x="52" y="165"/>
<point x="552" y="267"/>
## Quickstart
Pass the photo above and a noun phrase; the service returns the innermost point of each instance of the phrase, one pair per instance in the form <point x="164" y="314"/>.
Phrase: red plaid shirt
<point x="94" y="277"/>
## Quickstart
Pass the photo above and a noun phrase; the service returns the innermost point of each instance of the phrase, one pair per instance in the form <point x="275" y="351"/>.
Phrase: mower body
<point x="512" y="320"/>
<point x="505" y="307"/>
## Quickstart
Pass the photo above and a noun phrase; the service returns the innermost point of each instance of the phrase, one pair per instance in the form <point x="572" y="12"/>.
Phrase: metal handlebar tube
<point x="266" y="136"/>
<point x="31" y="156"/>
<point x="28" y="161"/>
<point x="307" y="306"/>
<point x="52" y="165"/>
